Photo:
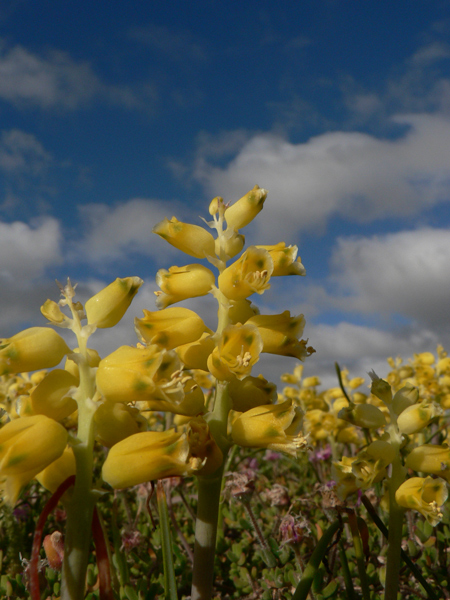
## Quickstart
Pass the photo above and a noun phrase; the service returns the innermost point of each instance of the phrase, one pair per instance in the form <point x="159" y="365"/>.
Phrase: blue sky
<point x="114" y="115"/>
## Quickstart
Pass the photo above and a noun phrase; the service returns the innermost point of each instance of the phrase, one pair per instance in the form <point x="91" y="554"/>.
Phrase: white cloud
<point x="27" y="250"/>
<point x="114" y="231"/>
<point x="21" y="152"/>
<point x="54" y="80"/>
<point x="402" y="273"/>
<point x="352" y="174"/>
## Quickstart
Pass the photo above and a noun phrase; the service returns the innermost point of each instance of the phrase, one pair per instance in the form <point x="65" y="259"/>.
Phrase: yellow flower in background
<point x="248" y="275"/>
<point x="285" y="261"/>
<point x="58" y="471"/>
<point x="31" y="350"/>
<point x="191" y="239"/>
<point x="426" y="495"/>
<point x="242" y="212"/>
<point x="280" y="334"/>
<point x="51" y="397"/>
<point x="238" y="350"/>
<point x="180" y="283"/>
<point x="273" y="426"/>
<point x="106" y="308"/>
<point x="170" y="327"/>
<point x="27" y="446"/>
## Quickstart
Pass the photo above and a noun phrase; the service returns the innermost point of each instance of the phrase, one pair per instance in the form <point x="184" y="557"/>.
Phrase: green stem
<point x="359" y="555"/>
<point x="303" y="588"/>
<point x="205" y="536"/>
<point x="170" y="584"/>
<point x="346" y="572"/>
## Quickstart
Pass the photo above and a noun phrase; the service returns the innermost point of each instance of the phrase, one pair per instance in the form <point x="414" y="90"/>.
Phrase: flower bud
<point x="115" y="422"/>
<point x="426" y="495"/>
<point x="27" y="446"/>
<point x="106" y="308"/>
<point x="170" y="328"/>
<point x="273" y="427"/>
<point x="285" y="261"/>
<point x="191" y="239"/>
<point x="249" y="274"/>
<point x="51" y="311"/>
<point x="406" y="396"/>
<point x="416" y="417"/>
<point x="51" y="396"/>
<point x="31" y="350"/>
<point x="241" y="311"/>
<point x="230" y="243"/>
<point x="180" y="283"/>
<point x="238" y="350"/>
<point x="380" y="388"/>
<point x="54" y="550"/>
<point x="242" y="212"/>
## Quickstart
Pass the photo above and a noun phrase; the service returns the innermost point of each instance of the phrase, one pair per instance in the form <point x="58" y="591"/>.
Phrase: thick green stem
<point x="205" y="536"/>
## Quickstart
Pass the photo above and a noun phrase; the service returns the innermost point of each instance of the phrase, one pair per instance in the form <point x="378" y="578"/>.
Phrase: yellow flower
<point x="153" y="455"/>
<point x="251" y="392"/>
<point x="242" y="212"/>
<point x="273" y="426"/>
<point x="363" y="415"/>
<point x="285" y="261"/>
<point x="380" y="388"/>
<point x="414" y="418"/>
<point x="27" y="446"/>
<point x="280" y="334"/>
<point x="238" y="350"/>
<point x="426" y="495"/>
<point x="170" y="328"/>
<point x="180" y="283"/>
<point x="191" y="239"/>
<point x="249" y="274"/>
<point x="126" y="375"/>
<point x="369" y="467"/>
<point x="51" y="396"/>
<point x="195" y="354"/>
<point x="342" y="474"/>
<point x="229" y="244"/>
<point x="58" y="471"/>
<point x="30" y="350"/>
<point x="115" y="422"/>
<point x="430" y="458"/>
<point x="106" y="308"/>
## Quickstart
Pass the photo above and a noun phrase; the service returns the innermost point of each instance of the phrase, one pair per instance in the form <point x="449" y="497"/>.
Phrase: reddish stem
<point x="51" y="504"/>
<point x="104" y="572"/>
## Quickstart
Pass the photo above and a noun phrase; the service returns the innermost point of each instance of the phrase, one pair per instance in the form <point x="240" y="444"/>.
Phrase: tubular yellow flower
<point x="31" y="350"/>
<point x="180" y="283"/>
<point x="51" y="311"/>
<point x="50" y="397"/>
<point x="191" y="239"/>
<point x="342" y="474"/>
<point x="195" y="354"/>
<point x="274" y="427"/>
<point x="170" y="328"/>
<point x="280" y="334"/>
<point x="416" y="417"/>
<point x="240" y="311"/>
<point x="285" y="261"/>
<point x="425" y="495"/>
<point x="230" y="243"/>
<point x="157" y="454"/>
<point x="238" y="350"/>
<point x="127" y="374"/>
<point x="380" y="388"/>
<point x="251" y="392"/>
<point x="106" y="308"/>
<point x="249" y="274"/>
<point x="242" y="212"/>
<point x="27" y="446"/>
<point x="58" y="471"/>
<point x="430" y="458"/>
<point x="363" y="415"/>
<point x="115" y="422"/>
